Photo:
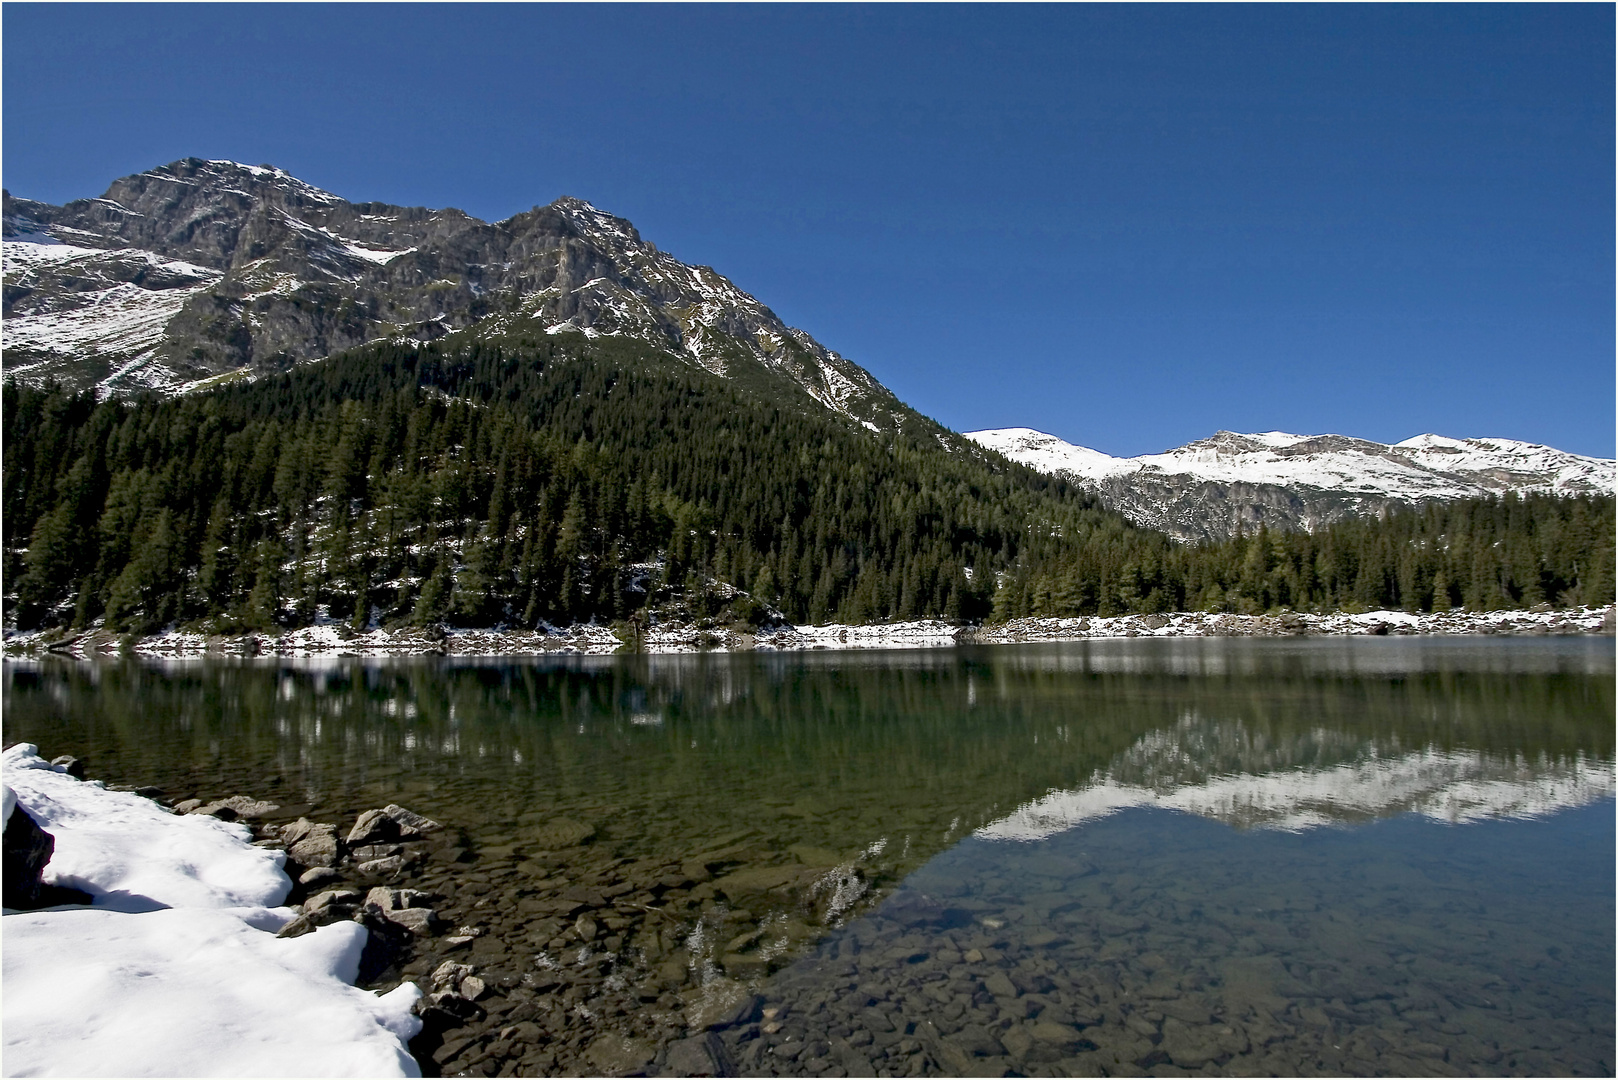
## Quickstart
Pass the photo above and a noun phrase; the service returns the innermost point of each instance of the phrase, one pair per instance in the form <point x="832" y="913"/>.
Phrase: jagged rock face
<point x="201" y="269"/>
<point x="1208" y="489"/>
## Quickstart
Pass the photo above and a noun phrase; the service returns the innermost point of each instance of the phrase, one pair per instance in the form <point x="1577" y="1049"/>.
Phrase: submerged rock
<point x="620" y="1055"/>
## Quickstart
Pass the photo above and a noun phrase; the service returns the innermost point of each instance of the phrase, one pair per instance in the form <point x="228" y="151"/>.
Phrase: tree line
<point x="546" y="481"/>
<point x="1480" y="554"/>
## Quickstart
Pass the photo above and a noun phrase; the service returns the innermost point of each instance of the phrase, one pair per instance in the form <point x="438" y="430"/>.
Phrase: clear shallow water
<point x="1158" y="941"/>
<point x="1231" y="856"/>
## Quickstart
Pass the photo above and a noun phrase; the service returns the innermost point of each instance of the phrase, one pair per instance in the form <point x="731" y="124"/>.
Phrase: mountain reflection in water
<point x="1170" y="770"/>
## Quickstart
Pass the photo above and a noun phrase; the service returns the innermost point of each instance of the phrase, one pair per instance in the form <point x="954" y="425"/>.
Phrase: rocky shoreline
<point x="683" y="637"/>
<point x="577" y="963"/>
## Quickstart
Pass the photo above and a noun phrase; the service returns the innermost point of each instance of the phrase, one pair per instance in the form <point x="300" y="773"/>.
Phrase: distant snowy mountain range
<point x="1208" y="488"/>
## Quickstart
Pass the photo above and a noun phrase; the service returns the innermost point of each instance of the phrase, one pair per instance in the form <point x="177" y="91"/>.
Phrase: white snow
<point x="175" y="970"/>
<point x="133" y="855"/>
<point x="1583" y="620"/>
<point x="281" y="179"/>
<point x="916" y="634"/>
<point x="193" y="992"/>
<point x="376" y="255"/>
<point x="23" y="253"/>
<point x="121" y="319"/>
<point x="1423" y="467"/>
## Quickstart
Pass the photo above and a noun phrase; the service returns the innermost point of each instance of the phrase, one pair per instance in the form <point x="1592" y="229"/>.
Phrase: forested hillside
<point x="497" y="484"/>
<point x="1482" y="554"/>
<point x="556" y="478"/>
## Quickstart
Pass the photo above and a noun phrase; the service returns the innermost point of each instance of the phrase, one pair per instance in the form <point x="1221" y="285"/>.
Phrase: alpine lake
<point x="1366" y="856"/>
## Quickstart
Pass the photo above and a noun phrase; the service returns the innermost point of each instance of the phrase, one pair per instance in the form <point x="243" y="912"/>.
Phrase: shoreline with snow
<point x="667" y="638"/>
<point x="175" y="966"/>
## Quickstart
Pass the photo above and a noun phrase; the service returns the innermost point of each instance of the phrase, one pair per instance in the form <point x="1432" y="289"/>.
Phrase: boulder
<point x="69" y="764"/>
<point x="389" y="825"/>
<point x="27" y="849"/>
<point x="290" y="834"/>
<point x="563" y="833"/>
<point x="404" y="908"/>
<point x="419" y="921"/>
<point x="317" y="847"/>
<point x="320" y="901"/>
<point x="319" y="877"/>
<point x="367" y="852"/>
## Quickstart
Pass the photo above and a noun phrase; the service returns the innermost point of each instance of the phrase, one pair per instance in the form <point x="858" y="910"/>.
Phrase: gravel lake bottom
<point x="1191" y="856"/>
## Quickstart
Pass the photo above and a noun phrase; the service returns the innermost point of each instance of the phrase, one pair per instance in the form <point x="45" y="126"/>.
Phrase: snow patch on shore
<point x="1585" y="620"/>
<point x="335" y="640"/>
<point x="193" y="992"/>
<point x="174" y="970"/>
<point x="133" y="855"/>
<point x="919" y="634"/>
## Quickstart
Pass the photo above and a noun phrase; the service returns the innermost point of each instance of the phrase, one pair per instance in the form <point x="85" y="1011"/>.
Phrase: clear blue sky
<point x="1128" y="226"/>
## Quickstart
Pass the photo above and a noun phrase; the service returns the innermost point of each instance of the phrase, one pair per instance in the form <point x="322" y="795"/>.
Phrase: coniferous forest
<point x="559" y="479"/>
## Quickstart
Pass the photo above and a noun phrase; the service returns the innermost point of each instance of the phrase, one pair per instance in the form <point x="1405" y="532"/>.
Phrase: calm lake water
<point x="1219" y="856"/>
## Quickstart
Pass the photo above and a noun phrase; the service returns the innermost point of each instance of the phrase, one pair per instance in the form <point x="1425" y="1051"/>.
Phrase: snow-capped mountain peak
<point x="287" y="272"/>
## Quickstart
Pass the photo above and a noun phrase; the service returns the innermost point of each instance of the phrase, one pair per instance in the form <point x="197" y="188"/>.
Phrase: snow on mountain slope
<point x="201" y="268"/>
<point x="1205" y="489"/>
<point x="715" y="319"/>
<point x="93" y="304"/>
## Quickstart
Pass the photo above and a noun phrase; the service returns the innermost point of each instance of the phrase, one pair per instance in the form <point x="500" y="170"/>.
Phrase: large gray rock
<point x="317" y="845"/>
<point x="388" y="825"/>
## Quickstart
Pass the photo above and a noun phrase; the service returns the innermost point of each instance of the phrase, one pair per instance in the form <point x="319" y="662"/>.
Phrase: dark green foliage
<point x="557" y="479"/>
<point x="1480" y="554"/>
<point x="540" y="481"/>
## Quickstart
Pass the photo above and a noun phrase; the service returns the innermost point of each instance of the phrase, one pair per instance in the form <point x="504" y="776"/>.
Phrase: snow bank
<point x="133" y="855"/>
<point x="175" y="969"/>
<point x="193" y="992"/>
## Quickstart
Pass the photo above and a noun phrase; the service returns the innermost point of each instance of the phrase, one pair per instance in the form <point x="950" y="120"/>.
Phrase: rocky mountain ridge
<point x="1207" y="489"/>
<point x="201" y="270"/>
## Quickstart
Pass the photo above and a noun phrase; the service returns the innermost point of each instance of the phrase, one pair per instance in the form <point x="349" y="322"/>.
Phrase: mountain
<point x="198" y="271"/>
<point x="1208" y="489"/>
<point x="548" y="421"/>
